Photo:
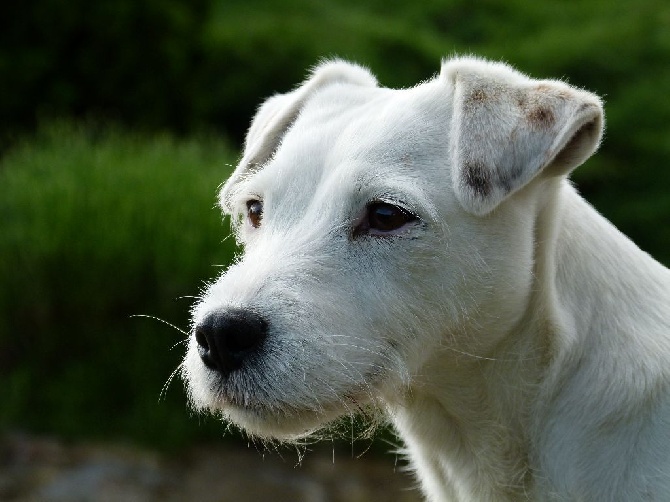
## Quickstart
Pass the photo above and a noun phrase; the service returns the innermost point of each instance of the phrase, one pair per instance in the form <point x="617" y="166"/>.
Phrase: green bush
<point x="100" y="225"/>
<point x="122" y="59"/>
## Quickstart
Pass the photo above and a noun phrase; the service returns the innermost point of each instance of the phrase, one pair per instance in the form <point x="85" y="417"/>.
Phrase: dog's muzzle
<point x="227" y="338"/>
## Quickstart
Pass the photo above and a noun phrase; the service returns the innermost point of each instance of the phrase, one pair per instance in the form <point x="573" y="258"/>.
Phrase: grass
<point x="99" y="225"/>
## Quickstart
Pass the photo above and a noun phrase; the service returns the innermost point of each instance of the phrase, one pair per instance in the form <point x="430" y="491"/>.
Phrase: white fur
<point x="518" y="342"/>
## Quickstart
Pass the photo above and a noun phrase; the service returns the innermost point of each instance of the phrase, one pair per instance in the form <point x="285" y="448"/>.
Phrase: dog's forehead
<point x="366" y="122"/>
<point x="348" y="135"/>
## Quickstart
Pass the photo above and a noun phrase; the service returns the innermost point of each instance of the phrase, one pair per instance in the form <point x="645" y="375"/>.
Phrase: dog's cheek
<point x="426" y="293"/>
<point x="397" y="303"/>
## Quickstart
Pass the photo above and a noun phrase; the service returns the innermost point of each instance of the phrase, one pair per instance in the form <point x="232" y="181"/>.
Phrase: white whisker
<point x="161" y="321"/>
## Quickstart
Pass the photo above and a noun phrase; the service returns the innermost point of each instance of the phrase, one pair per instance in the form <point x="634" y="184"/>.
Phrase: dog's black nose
<point x="226" y="338"/>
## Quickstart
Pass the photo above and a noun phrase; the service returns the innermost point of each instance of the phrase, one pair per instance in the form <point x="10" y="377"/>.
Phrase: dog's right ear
<point x="508" y="128"/>
<point x="276" y="115"/>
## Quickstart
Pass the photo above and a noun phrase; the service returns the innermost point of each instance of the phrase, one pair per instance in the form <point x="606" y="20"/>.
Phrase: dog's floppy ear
<point x="507" y="128"/>
<point x="276" y="115"/>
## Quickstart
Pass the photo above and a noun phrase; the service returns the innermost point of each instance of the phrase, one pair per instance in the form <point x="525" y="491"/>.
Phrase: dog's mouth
<point x="245" y="391"/>
<point x="262" y="416"/>
<point x="284" y="401"/>
<point x="229" y="393"/>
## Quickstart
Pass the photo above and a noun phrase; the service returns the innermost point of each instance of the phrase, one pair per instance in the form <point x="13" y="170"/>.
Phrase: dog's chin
<point x="270" y="425"/>
<point x="274" y="423"/>
<point x="278" y="419"/>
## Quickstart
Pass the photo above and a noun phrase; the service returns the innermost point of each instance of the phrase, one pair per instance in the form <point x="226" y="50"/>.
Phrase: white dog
<point x="421" y="251"/>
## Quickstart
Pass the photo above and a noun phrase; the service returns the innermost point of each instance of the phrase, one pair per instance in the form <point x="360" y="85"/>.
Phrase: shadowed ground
<point x="46" y="469"/>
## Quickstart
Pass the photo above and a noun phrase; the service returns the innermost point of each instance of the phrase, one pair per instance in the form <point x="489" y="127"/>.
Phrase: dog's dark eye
<point x="255" y="212"/>
<point x="384" y="217"/>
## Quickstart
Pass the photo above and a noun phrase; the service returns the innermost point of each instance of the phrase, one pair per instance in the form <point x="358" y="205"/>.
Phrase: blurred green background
<point x="119" y="119"/>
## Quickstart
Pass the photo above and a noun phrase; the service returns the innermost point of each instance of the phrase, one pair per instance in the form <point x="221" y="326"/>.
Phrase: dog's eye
<point x="384" y="217"/>
<point x="255" y="212"/>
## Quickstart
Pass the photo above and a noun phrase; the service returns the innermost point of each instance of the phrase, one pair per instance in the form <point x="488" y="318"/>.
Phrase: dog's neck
<point x="468" y="427"/>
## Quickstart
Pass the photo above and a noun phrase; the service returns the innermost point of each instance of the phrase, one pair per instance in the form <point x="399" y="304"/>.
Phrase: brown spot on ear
<point x="541" y="117"/>
<point x="478" y="177"/>
<point x="477" y="96"/>
<point x="521" y="100"/>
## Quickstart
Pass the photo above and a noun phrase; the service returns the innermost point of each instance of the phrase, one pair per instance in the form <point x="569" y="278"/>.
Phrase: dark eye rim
<point x="404" y="217"/>
<point x="255" y="212"/>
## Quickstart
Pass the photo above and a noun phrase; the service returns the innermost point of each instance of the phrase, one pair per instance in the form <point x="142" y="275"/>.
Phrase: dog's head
<point x="381" y="228"/>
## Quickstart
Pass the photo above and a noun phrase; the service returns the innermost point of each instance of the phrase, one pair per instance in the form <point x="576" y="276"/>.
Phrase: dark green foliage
<point x="98" y="226"/>
<point x="125" y="59"/>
